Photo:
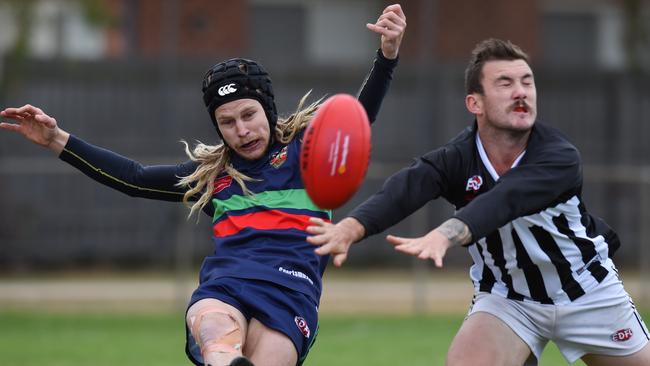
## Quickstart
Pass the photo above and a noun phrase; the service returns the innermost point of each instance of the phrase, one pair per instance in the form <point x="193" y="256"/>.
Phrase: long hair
<point x="214" y="160"/>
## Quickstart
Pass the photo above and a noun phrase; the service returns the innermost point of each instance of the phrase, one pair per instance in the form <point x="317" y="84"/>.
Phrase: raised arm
<point x="391" y="26"/>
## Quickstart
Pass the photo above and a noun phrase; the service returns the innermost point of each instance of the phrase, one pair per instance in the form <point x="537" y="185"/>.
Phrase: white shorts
<point x="603" y="321"/>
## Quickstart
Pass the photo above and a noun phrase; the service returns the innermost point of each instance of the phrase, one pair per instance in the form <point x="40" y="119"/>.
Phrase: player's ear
<point x="473" y="104"/>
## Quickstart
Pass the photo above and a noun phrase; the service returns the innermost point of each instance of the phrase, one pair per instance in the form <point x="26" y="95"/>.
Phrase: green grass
<point x="60" y="339"/>
<point x="389" y="341"/>
<point x="28" y="339"/>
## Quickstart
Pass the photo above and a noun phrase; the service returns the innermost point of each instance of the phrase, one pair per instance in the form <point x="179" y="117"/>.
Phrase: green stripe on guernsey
<point x="98" y="170"/>
<point x="289" y="198"/>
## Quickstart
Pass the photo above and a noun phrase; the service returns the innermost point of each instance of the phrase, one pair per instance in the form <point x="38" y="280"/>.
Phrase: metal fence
<point x="51" y="216"/>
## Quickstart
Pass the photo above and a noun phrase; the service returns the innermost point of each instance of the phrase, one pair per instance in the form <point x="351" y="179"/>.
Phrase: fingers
<point x="388" y="25"/>
<point x="317" y="230"/>
<point x="316" y="221"/>
<point x="13" y="114"/>
<point x="45" y="120"/>
<point x="438" y="262"/>
<point x="338" y="251"/>
<point x="319" y="226"/>
<point x="392" y="18"/>
<point x="317" y="238"/>
<point x="409" y="248"/>
<point x="324" y="235"/>
<point x="396" y="240"/>
<point x="326" y="248"/>
<point x="382" y="30"/>
<point x="29" y="112"/>
<point x="405" y="245"/>
<point x="339" y="259"/>
<point x="428" y="254"/>
<point x="418" y="248"/>
<point x="25" y="111"/>
<point x="395" y="8"/>
<point x="321" y="235"/>
<point x="9" y="126"/>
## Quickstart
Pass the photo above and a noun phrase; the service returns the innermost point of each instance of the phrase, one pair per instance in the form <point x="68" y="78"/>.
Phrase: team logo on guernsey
<point x="221" y="184"/>
<point x="279" y="157"/>
<point x="474" y="183"/>
<point x="301" y="323"/>
<point x="622" y="335"/>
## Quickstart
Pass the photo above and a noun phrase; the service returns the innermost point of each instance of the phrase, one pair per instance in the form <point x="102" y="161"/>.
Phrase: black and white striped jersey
<point x="534" y="239"/>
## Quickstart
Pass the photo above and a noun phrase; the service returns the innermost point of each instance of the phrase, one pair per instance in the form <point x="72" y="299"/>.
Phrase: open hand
<point x="433" y="246"/>
<point x="35" y="126"/>
<point x="334" y="239"/>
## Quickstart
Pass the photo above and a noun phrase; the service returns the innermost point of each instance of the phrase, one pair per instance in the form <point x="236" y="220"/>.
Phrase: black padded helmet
<point x="238" y="78"/>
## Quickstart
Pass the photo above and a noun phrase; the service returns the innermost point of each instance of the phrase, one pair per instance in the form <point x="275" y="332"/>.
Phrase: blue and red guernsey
<point x="262" y="235"/>
<point x="257" y="236"/>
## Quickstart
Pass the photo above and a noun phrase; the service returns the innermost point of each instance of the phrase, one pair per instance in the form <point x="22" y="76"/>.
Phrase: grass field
<point x="65" y="339"/>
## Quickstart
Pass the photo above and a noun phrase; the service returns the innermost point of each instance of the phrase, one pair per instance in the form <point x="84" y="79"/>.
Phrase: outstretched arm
<point x="104" y="166"/>
<point x="396" y="200"/>
<point x="337" y="239"/>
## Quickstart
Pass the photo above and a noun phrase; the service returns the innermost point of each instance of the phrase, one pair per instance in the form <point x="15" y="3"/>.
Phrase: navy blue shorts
<point x="289" y="312"/>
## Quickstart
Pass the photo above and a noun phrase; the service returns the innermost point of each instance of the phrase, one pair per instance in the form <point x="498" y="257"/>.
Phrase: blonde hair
<point x="214" y="160"/>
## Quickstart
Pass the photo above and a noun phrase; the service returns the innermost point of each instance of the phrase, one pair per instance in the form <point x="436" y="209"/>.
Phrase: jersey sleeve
<point x="125" y="175"/>
<point x="551" y="174"/>
<point x="376" y="85"/>
<point x="405" y="192"/>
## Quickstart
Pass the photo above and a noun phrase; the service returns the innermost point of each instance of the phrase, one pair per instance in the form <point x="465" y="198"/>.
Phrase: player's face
<point x="244" y="127"/>
<point x="509" y="99"/>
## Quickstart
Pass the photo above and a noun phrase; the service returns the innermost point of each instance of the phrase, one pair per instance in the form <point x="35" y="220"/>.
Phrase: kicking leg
<point x="219" y="329"/>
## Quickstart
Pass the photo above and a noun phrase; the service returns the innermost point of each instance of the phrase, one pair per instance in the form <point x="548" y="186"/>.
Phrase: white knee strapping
<point x="215" y="330"/>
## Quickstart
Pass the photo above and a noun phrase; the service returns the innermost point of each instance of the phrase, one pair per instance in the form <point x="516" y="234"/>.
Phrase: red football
<point x="335" y="151"/>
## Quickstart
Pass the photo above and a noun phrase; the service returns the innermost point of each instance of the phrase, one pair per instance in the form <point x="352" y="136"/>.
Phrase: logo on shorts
<point x="301" y="323"/>
<point x="474" y="183"/>
<point x="622" y="335"/>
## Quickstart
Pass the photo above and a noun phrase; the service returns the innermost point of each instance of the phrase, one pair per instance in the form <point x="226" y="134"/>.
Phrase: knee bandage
<point x="216" y="330"/>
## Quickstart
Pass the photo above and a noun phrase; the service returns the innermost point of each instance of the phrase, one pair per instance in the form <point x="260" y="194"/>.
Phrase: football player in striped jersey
<point x="542" y="263"/>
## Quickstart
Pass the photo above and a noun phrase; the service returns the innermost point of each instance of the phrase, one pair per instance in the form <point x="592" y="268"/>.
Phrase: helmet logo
<point x="227" y="89"/>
